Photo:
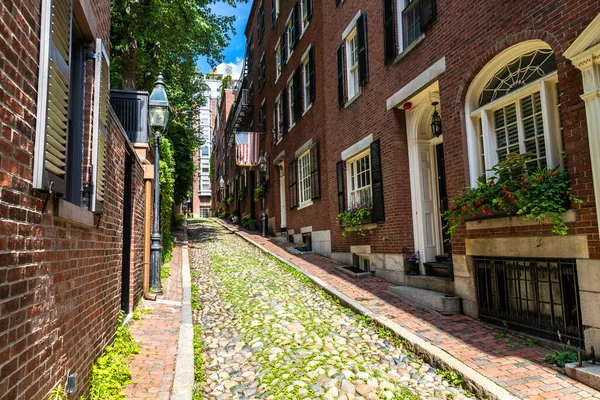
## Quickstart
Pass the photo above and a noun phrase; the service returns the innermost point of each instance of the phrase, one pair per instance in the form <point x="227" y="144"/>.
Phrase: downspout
<point x="147" y="234"/>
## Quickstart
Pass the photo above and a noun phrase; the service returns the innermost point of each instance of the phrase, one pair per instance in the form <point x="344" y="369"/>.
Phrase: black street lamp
<point x="262" y="167"/>
<point x="159" y="117"/>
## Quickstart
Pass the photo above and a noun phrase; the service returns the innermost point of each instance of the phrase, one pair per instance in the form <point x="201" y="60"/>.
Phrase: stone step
<point x="437" y="284"/>
<point x="588" y="373"/>
<point x="440" y="302"/>
<point x="444" y="270"/>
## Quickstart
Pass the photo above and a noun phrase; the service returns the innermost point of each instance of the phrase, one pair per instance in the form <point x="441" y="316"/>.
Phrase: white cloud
<point x="234" y="67"/>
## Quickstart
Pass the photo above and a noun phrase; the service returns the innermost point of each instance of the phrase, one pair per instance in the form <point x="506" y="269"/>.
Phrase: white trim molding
<point x="357" y="147"/>
<point x="421" y="81"/>
<point x="584" y="53"/>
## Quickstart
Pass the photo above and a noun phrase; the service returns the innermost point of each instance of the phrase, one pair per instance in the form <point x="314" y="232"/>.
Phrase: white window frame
<point x="288" y="25"/>
<point x="278" y="120"/>
<point x="304" y="179"/>
<point x="347" y="36"/>
<point x="278" y="60"/>
<point x="546" y="86"/>
<point x="352" y="178"/>
<point x="306" y="102"/>
<point x="290" y="94"/>
<point x="303" y="17"/>
<point x="400" y="6"/>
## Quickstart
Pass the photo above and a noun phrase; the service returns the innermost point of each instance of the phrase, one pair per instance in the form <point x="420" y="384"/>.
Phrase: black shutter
<point x="273" y="14"/>
<point x="363" y="56"/>
<point x="378" y="214"/>
<point x="293" y="27"/>
<point x="309" y="9"/>
<point x="285" y="111"/>
<point x="260" y="80"/>
<point x="298" y="103"/>
<point x="340" y="73"/>
<point x="311" y="74"/>
<point x="293" y="183"/>
<point x="339" y="167"/>
<point x="428" y="13"/>
<point x="284" y="47"/>
<point x="389" y="27"/>
<point x="297" y="23"/>
<point x="337" y="2"/>
<point x="315" y="182"/>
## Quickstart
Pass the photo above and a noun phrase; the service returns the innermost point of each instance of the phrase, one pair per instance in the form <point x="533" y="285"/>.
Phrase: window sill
<point x="365" y="227"/>
<point x="291" y="127"/>
<point x="307" y="109"/>
<point x="513" y="221"/>
<point x="70" y="212"/>
<point x="409" y="48"/>
<point x="305" y="205"/>
<point x="279" y="141"/>
<point x="353" y="99"/>
<point x="303" y="31"/>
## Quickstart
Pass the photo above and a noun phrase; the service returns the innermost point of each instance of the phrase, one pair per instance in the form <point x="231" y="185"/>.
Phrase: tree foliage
<point x="167" y="191"/>
<point x="185" y="142"/>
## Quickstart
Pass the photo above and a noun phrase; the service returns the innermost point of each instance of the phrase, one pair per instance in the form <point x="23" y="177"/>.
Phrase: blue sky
<point x="236" y="47"/>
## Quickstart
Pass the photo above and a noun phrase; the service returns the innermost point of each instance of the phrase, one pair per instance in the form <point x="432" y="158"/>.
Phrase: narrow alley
<point x="268" y="332"/>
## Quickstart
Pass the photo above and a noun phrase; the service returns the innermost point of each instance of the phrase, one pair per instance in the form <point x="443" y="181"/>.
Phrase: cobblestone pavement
<point x="268" y="332"/>
<point x="518" y="368"/>
<point x="157" y="330"/>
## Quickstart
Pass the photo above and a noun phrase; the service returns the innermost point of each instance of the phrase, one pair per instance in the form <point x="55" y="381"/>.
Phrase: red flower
<point x="540" y="178"/>
<point x="483" y="211"/>
<point x="478" y="203"/>
<point x="525" y="179"/>
<point x="490" y="213"/>
<point x="551" y="173"/>
<point x="511" y="197"/>
<point x="464" y="208"/>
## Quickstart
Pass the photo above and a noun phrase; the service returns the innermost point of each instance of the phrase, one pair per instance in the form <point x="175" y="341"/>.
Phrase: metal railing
<point x="537" y="296"/>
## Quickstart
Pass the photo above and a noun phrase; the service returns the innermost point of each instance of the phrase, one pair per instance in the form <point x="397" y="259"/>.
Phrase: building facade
<point x="201" y="202"/>
<point x="398" y="106"/>
<point x="74" y="197"/>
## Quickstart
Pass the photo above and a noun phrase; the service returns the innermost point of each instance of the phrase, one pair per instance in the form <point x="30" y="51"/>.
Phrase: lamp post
<point x="159" y="117"/>
<point x="262" y="167"/>
<point x="436" y="121"/>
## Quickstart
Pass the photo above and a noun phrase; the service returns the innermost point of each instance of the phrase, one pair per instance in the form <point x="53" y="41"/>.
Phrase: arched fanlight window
<point x="513" y="107"/>
<point x="519" y="72"/>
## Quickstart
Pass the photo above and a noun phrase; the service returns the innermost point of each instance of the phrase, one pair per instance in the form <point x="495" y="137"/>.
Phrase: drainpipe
<point x="147" y="234"/>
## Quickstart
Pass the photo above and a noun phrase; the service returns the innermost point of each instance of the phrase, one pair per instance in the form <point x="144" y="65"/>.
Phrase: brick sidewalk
<point x="153" y="369"/>
<point x="520" y="370"/>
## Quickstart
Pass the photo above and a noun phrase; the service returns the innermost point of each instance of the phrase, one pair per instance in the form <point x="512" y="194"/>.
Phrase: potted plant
<point x="258" y="192"/>
<point x="353" y="218"/>
<point x="411" y="262"/>
<point x="515" y="189"/>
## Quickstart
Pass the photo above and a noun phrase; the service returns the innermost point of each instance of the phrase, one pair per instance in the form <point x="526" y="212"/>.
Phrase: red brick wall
<point x="60" y="282"/>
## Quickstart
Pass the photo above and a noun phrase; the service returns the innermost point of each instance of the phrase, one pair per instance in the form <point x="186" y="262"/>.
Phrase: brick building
<point x="345" y="93"/>
<point x="74" y="197"/>
<point x="224" y="167"/>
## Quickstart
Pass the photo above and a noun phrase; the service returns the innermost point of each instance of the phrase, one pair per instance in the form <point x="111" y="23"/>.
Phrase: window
<point x="352" y="60"/>
<point x="274" y="11"/>
<point x="261" y="21"/>
<point x="359" y="180"/>
<point x="308" y="78"/>
<point x="205" y="150"/>
<point x="262" y="117"/>
<point x="352" y="57"/>
<point x="290" y="36"/>
<point x="277" y="120"/>
<point x="514" y="108"/>
<point x="306" y="6"/>
<point x="205" y="170"/>
<point x="304" y="178"/>
<point x="291" y="102"/>
<point x="262" y="72"/>
<point x="411" y="22"/>
<point x="278" y="61"/>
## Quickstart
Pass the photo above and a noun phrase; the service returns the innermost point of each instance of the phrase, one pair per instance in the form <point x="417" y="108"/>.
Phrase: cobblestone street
<point x="268" y="332"/>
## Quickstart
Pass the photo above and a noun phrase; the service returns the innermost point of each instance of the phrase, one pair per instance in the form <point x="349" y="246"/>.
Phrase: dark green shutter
<point x="389" y="28"/>
<point x="309" y="9"/>
<point x="378" y="214"/>
<point x="428" y="13"/>
<point x="340" y="74"/>
<point x="315" y="182"/>
<point x="339" y="168"/>
<point x="285" y="111"/>
<point x="298" y="106"/>
<point x="293" y="183"/>
<point x="363" y="54"/>
<point x="284" y="48"/>
<point x="312" y="75"/>
<point x="298" y="17"/>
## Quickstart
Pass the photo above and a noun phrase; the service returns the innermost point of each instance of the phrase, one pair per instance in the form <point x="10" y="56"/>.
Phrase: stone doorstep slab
<point x="588" y="374"/>
<point x="344" y="269"/>
<point x="475" y="381"/>
<point x="440" y="302"/>
<point x="293" y="250"/>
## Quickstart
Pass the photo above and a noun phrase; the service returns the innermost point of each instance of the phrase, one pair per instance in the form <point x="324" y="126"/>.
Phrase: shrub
<point x="179" y="220"/>
<point x="353" y="218"/>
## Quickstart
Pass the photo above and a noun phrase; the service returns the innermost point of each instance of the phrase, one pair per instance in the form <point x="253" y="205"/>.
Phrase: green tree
<point x="167" y="191"/>
<point x="185" y="142"/>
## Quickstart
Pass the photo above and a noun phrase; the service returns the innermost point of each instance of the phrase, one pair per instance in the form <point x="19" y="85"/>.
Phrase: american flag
<point x="246" y="148"/>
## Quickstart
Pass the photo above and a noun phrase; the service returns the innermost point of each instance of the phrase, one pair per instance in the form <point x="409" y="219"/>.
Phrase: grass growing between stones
<point x="199" y="377"/>
<point x="305" y="344"/>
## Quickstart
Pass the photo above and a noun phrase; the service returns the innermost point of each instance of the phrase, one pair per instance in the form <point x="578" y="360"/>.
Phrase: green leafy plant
<point x="249" y="223"/>
<point x="452" y="378"/>
<point x="199" y="376"/>
<point x="531" y="342"/>
<point x="167" y="192"/>
<point x="258" y="192"/>
<point x="562" y="357"/>
<point x="58" y="393"/>
<point x="515" y="189"/>
<point x="242" y="193"/>
<point x="110" y="373"/>
<point x="353" y="218"/>
<point x="230" y="199"/>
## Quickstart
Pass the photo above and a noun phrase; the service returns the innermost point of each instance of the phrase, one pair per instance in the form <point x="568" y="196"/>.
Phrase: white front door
<point x="428" y="191"/>
<point x="282" y="196"/>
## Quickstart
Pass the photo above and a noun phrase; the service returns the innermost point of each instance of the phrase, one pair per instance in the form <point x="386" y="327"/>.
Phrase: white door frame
<point x="416" y="118"/>
<point x="282" y="192"/>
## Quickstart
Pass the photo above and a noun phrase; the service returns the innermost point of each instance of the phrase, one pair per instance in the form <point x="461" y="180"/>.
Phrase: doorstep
<point x="440" y="302"/>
